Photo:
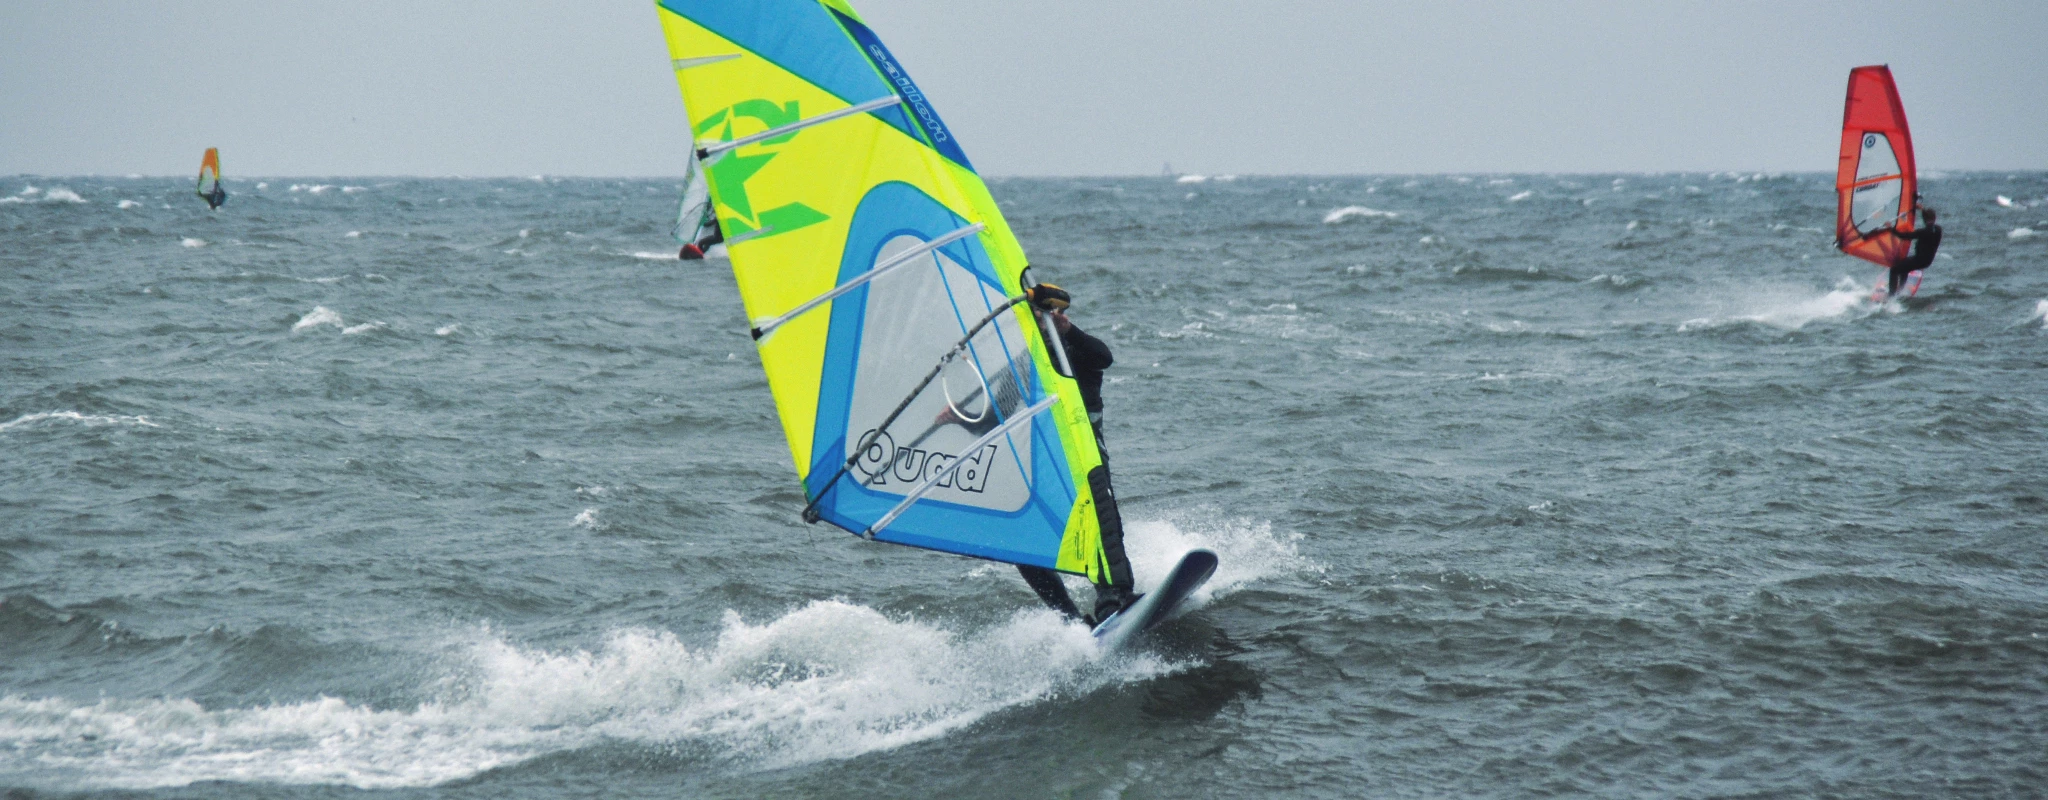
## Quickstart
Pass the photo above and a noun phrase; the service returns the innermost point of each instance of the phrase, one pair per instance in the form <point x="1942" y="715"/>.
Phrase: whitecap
<point x="1358" y="212"/>
<point x="191" y="242"/>
<point x="2020" y="233"/>
<point x="353" y="189"/>
<point x="352" y="235"/>
<point x="1522" y="195"/>
<point x="447" y="329"/>
<point x="73" y="416"/>
<point x="588" y="519"/>
<point x="320" y="315"/>
<point x="1191" y="179"/>
<point x="363" y="328"/>
<point x="127" y="204"/>
<point x="2005" y="201"/>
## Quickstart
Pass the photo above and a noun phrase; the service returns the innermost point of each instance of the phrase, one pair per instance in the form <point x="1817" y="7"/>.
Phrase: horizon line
<point x="1118" y="176"/>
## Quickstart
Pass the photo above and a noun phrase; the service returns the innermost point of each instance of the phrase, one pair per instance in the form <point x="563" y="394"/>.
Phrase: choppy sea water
<point x="1588" y="485"/>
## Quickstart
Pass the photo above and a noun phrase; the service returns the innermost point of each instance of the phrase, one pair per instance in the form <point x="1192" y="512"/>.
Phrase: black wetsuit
<point x="216" y="198"/>
<point x="1925" y="242"/>
<point x="696" y="250"/>
<point x="1089" y="357"/>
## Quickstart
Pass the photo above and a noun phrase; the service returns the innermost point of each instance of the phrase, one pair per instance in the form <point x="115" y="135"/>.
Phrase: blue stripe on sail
<point x="1028" y="535"/>
<point x="935" y="132"/>
<point x="806" y="39"/>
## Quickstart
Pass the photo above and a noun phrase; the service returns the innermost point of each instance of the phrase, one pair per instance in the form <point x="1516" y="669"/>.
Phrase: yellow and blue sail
<point x="922" y="402"/>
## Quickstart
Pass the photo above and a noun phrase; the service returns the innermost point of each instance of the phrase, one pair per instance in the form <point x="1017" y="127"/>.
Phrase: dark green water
<point x="1610" y="486"/>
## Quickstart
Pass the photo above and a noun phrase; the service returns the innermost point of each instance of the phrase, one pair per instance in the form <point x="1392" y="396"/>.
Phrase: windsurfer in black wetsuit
<point x="1088" y="356"/>
<point x="1925" y="241"/>
<point x="216" y="198"/>
<point x="712" y="235"/>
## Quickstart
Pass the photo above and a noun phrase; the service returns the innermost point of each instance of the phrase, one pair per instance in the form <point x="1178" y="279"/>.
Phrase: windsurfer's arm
<point x="1085" y="352"/>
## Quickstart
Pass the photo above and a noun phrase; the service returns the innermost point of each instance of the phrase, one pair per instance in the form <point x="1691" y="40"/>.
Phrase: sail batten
<point x="873" y="251"/>
<point x="711" y="150"/>
<point x="898" y="260"/>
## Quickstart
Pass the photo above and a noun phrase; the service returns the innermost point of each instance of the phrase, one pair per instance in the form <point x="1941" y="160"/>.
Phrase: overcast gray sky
<point x="1045" y="87"/>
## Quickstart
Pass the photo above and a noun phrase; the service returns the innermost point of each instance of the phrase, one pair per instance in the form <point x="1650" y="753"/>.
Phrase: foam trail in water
<point x="73" y="416"/>
<point x="1246" y="551"/>
<point x="829" y="680"/>
<point x="1792" y="313"/>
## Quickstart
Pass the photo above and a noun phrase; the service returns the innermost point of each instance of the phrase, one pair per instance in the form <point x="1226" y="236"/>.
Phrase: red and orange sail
<point x="1875" y="183"/>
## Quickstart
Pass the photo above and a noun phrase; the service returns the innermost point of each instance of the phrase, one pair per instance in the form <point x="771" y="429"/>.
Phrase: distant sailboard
<point x="209" y="169"/>
<point x="921" y="402"/>
<point x="1876" y="186"/>
<point x="696" y="226"/>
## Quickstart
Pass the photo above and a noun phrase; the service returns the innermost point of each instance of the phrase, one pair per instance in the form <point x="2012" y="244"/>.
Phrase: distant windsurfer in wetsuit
<point x="1088" y="356"/>
<point x="712" y="235"/>
<point x="1925" y="241"/>
<point x="216" y="198"/>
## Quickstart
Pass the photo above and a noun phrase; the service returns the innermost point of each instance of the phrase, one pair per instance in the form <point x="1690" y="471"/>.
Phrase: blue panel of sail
<point x="945" y="297"/>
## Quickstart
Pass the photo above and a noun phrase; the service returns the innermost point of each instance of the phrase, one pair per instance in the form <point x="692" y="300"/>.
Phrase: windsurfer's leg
<point x="1116" y="592"/>
<point x="1049" y="588"/>
<point x="1897" y="278"/>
